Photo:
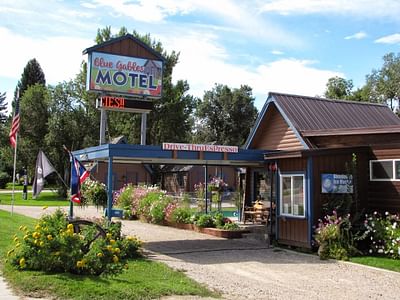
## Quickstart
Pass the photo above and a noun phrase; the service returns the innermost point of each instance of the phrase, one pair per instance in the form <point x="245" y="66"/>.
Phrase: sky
<point x="286" y="46"/>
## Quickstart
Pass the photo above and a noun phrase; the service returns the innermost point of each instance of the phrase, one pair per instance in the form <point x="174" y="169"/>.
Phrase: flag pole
<point x="15" y="167"/>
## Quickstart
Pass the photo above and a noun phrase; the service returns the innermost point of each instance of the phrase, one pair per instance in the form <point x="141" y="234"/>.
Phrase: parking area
<point x="249" y="269"/>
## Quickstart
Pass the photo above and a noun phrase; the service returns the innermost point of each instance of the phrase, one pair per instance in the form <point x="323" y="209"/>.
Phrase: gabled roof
<point x="313" y="116"/>
<point x="121" y="38"/>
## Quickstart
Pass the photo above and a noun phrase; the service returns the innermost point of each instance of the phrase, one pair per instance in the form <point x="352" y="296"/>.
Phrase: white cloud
<point x="362" y="8"/>
<point x="241" y="17"/>
<point x="357" y="36"/>
<point x="203" y="62"/>
<point x="277" y="52"/>
<point x="60" y="57"/>
<point x="389" y="39"/>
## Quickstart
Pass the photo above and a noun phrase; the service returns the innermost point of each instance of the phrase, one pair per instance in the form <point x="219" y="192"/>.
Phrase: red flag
<point x="15" y="123"/>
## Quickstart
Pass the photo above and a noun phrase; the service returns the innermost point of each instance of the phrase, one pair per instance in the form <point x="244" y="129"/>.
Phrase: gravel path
<point x="247" y="269"/>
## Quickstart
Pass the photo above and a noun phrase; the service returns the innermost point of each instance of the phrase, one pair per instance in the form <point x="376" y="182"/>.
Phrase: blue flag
<point x="78" y="175"/>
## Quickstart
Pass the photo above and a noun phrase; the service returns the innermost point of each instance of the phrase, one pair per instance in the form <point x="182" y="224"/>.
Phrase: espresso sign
<point x="125" y="75"/>
<point x="198" y="147"/>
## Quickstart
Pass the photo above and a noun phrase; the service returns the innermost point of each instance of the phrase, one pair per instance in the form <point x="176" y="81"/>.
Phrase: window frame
<point x="393" y="178"/>
<point x="291" y="175"/>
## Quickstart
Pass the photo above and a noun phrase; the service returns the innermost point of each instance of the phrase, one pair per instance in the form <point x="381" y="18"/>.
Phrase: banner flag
<point x="42" y="170"/>
<point x="78" y="175"/>
<point x="15" y="123"/>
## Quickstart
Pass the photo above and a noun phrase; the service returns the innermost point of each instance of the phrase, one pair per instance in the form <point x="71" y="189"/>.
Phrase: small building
<point x="308" y="143"/>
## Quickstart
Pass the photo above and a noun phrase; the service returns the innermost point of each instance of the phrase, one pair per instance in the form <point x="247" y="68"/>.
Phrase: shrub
<point x="205" y="221"/>
<point x="334" y="237"/>
<point x="152" y="206"/>
<point x="169" y="211"/>
<point x="382" y="234"/>
<point x="231" y="226"/>
<point x="94" y="192"/>
<point x="123" y="198"/>
<point x="53" y="246"/>
<point x="4" y="179"/>
<point x="182" y="215"/>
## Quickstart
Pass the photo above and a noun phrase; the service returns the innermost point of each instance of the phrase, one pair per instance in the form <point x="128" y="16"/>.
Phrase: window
<point x="292" y="195"/>
<point x="384" y="170"/>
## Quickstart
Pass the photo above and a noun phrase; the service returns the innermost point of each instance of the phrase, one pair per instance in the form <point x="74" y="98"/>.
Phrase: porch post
<point x="110" y="188"/>
<point x="205" y="187"/>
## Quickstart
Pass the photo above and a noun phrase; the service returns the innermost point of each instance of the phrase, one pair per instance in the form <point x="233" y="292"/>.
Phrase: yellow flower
<point x="16" y="239"/>
<point x="49" y="237"/>
<point x="45" y="207"/>
<point x="24" y="228"/>
<point x="117" y="250"/>
<point x="17" y="245"/>
<point x="21" y="227"/>
<point x="37" y="227"/>
<point x="100" y="254"/>
<point x="79" y="264"/>
<point x="10" y="252"/>
<point x="109" y="247"/>
<point x="112" y="242"/>
<point x="36" y="235"/>
<point x="115" y="259"/>
<point x="41" y="244"/>
<point x="70" y="227"/>
<point x="26" y="236"/>
<point x="22" y="262"/>
<point x="109" y="235"/>
<point x="35" y="242"/>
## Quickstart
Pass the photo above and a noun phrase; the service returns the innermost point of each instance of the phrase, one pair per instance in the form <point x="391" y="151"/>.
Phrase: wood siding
<point x="384" y="195"/>
<point x="128" y="47"/>
<point x="275" y="134"/>
<point x="123" y="174"/>
<point x="293" y="232"/>
<point x="335" y="163"/>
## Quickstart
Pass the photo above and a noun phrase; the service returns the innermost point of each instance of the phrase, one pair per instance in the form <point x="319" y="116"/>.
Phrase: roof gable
<point x="126" y="45"/>
<point x="311" y="116"/>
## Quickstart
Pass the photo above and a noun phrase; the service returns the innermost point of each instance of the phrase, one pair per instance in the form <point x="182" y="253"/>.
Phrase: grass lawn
<point x="45" y="198"/>
<point x="378" y="262"/>
<point x="143" y="280"/>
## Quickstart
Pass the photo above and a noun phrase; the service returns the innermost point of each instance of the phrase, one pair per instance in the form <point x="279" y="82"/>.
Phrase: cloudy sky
<point x="289" y="46"/>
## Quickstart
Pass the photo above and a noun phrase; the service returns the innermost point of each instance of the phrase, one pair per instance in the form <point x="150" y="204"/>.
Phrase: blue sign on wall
<point x="337" y="183"/>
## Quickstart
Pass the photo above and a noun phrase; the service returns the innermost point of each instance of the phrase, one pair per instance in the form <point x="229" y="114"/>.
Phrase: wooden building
<point x="308" y="143"/>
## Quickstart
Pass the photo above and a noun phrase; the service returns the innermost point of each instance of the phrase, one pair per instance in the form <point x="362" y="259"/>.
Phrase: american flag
<point x="78" y="175"/>
<point x="15" y="123"/>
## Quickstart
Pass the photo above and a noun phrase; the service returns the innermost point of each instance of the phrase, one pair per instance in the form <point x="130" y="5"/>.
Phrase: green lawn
<point x="143" y="280"/>
<point x="378" y="262"/>
<point x="44" y="199"/>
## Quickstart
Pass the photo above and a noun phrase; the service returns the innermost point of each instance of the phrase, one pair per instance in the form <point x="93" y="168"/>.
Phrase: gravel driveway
<point x="248" y="269"/>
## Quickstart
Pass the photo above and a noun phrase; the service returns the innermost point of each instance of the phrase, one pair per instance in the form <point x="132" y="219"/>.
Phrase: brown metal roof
<point x="309" y="114"/>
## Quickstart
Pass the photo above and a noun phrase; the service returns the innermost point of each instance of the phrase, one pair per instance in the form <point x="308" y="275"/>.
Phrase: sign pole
<point x="103" y="117"/>
<point x="143" y="129"/>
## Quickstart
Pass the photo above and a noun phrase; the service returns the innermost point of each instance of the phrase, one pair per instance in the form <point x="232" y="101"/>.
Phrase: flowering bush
<point x="94" y="192"/>
<point x="382" y="233"/>
<point x="182" y="215"/>
<point x="152" y="206"/>
<point x="129" y="197"/>
<point x="53" y="246"/>
<point x="169" y="211"/>
<point x="334" y="237"/>
<point x="217" y="184"/>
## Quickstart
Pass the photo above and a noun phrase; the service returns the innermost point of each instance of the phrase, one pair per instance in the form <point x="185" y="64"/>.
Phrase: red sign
<point x="113" y="102"/>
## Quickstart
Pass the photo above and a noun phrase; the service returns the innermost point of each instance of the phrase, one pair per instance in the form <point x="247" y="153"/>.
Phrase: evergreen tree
<point x="32" y="74"/>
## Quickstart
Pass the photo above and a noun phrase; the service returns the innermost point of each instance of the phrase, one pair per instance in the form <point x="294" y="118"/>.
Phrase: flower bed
<point x="151" y="204"/>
